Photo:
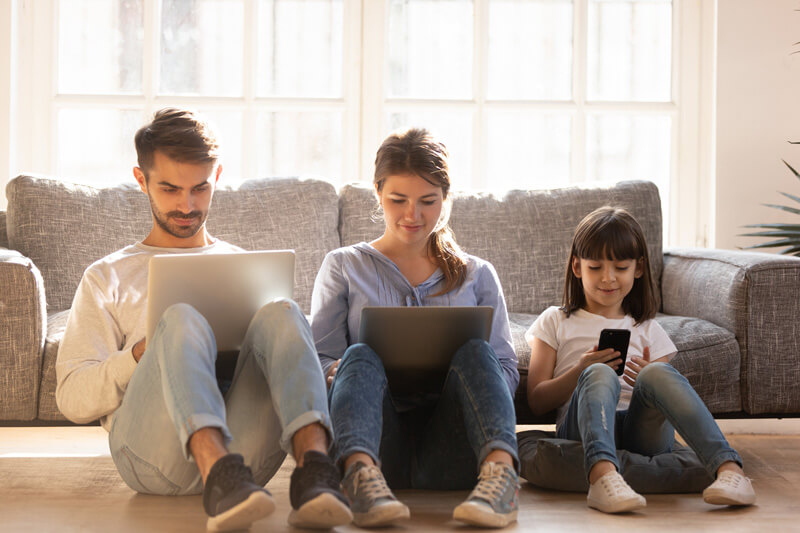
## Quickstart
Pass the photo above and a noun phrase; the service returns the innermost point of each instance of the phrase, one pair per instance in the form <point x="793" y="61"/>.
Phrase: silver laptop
<point x="227" y="289"/>
<point x="416" y="344"/>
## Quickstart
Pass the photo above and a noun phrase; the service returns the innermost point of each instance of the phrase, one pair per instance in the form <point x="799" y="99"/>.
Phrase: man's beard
<point x="181" y="232"/>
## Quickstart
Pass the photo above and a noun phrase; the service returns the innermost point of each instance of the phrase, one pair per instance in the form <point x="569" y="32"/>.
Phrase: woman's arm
<point x="329" y="310"/>
<point x="490" y="292"/>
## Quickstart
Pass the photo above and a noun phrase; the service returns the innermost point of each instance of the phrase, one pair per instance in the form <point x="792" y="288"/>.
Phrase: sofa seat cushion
<point x="552" y="463"/>
<point x="56" y="324"/>
<point x="708" y="355"/>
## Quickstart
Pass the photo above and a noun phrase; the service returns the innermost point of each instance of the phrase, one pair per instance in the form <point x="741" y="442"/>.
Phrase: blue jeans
<point x="439" y="445"/>
<point x="277" y="388"/>
<point x="663" y="401"/>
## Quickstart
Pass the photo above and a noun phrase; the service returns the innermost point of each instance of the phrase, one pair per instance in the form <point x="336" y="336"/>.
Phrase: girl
<point x="449" y="440"/>
<point x="608" y="285"/>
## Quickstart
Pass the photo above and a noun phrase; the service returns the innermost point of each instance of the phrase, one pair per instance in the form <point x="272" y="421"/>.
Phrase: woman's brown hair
<point x="613" y="234"/>
<point x="417" y="152"/>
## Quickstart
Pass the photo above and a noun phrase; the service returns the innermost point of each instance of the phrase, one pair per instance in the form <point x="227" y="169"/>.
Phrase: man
<point x="171" y="430"/>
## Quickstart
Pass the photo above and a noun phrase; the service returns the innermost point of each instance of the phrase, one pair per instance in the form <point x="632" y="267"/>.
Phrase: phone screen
<point x="618" y="339"/>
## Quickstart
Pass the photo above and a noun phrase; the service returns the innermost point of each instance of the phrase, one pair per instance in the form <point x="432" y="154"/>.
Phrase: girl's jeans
<point x="277" y="388"/>
<point x="663" y="401"/>
<point x="438" y="445"/>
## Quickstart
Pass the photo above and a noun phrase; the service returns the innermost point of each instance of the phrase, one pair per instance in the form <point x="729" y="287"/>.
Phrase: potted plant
<point x="786" y="235"/>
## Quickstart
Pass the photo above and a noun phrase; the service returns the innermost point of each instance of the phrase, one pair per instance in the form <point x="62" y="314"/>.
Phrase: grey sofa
<point x="733" y="315"/>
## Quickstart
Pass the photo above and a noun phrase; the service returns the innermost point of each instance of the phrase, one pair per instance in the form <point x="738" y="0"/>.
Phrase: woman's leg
<point x="473" y="421"/>
<point x="361" y="413"/>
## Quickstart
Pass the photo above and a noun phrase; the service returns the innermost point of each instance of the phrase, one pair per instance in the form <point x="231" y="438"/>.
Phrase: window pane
<point x="100" y="46"/>
<point x="430" y="48"/>
<point x="227" y="125"/>
<point x="300" y="48"/>
<point x="630" y="50"/>
<point x="95" y="146"/>
<point x="202" y="47"/>
<point x="528" y="150"/>
<point x="453" y="129"/>
<point x="629" y="147"/>
<point x="530" y="49"/>
<point x="296" y="143"/>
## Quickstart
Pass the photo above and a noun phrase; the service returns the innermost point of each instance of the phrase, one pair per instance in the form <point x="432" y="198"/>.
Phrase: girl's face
<point x="411" y="208"/>
<point x="606" y="283"/>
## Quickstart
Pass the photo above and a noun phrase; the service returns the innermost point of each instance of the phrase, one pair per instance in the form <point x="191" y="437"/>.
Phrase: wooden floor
<point x="62" y="479"/>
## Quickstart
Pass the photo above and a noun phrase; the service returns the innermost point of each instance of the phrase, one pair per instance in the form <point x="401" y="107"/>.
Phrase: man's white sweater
<point x="108" y="316"/>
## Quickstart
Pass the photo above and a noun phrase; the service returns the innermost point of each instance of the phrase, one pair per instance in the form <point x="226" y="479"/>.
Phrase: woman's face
<point x="411" y="207"/>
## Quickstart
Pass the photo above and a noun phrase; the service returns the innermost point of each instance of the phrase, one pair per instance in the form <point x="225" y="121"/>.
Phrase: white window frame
<point x="34" y="103"/>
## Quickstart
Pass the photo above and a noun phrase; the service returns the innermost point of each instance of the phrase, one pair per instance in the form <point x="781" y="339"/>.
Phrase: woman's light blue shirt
<point x="359" y="275"/>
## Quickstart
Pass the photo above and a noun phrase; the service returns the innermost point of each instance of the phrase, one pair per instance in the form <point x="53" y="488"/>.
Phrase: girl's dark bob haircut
<point x="611" y="233"/>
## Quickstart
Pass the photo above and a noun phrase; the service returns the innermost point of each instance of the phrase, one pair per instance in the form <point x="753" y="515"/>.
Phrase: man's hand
<point x="635" y="365"/>
<point x="138" y="349"/>
<point x="332" y="372"/>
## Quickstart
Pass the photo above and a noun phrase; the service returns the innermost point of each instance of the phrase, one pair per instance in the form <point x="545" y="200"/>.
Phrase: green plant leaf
<point x="795" y="234"/>
<point x="794" y="250"/>
<point x="793" y="210"/>
<point x="787" y="227"/>
<point x="790" y="166"/>
<point x="791" y="197"/>
<point x="774" y="244"/>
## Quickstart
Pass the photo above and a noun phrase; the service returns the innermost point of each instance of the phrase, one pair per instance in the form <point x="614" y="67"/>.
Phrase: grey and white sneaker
<point x="494" y="500"/>
<point x="371" y="500"/>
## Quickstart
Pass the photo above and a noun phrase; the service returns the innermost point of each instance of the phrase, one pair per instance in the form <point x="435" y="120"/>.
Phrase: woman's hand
<point x="332" y="372"/>
<point x="609" y="356"/>
<point x="635" y="365"/>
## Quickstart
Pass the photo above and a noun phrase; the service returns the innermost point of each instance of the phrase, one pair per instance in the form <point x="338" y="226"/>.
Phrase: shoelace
<point x="732" y="479"/>
<point x="615" y="485"/>
<point x="492" y="481"/>
<point x="370" y="480"/>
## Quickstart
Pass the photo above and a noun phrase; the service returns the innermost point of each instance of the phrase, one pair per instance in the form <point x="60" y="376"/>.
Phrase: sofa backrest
<point x="65" y="227"/>
<point x="3" y="235"/>
<point x="526" y="235"/>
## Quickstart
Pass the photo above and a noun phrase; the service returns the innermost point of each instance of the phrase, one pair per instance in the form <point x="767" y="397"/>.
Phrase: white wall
<point x="757" y="112"/>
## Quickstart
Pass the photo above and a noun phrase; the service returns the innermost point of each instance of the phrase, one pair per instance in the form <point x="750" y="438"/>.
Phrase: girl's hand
<point x="635" y="365"/>
<point x="609" y="356"/>
<point x="332" y="372"/>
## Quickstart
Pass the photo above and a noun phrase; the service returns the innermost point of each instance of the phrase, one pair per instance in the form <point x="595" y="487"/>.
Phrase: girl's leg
<point x="361" y="413"/>
<point x="663" y="399"/>
<point x="591" y="416"/>
<point x="473" y="421"/>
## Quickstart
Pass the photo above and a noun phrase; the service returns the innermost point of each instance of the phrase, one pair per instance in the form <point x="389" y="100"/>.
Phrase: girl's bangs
<point x="612" y="241"/>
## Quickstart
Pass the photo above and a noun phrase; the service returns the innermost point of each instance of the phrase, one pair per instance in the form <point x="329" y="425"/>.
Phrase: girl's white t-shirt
<point x="572" y="337"/>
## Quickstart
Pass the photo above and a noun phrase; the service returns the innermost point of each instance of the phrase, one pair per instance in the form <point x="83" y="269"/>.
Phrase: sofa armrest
<point x="757" y="297"/>
<point x="23" y="322"/>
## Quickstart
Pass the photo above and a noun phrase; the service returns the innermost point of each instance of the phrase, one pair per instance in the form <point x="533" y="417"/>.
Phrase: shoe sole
<point x="479" y="515"/>
<point x="323" y="512"/>
<point x="382" y="515"/>
<point x="257" y="506"/>
<point x="721" y="499"/>
<point x="620" y="507"/>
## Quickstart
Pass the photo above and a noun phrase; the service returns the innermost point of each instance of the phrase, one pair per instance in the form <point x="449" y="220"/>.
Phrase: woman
<point x="442" y="441"/>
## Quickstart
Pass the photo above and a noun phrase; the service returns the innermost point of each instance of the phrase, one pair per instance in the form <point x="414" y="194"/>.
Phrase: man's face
<point x="179" y="193"/>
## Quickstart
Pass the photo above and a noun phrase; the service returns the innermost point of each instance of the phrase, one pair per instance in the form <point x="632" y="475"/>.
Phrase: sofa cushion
<point x="708" y="356"/>
<point x="557" y="464"/>
<point x="64" y="227"/>
<point x="503" y="230"/>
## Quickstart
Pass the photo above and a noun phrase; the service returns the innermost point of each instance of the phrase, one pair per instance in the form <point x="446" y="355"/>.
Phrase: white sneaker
<point x="730" y="488"/>
<point x="611" y="494"/>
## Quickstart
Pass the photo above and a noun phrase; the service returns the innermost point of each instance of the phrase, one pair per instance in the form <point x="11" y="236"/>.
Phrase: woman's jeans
<point x="662" y="400"/>
<point x="438" y="445"/>
<point x="277" y="388"/>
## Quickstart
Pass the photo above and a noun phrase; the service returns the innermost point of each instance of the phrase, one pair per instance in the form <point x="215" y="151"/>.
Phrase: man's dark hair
<point x="180" y="134"/>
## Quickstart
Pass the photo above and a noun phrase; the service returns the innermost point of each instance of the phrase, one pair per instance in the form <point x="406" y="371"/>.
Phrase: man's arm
<point x="93" y="366"/>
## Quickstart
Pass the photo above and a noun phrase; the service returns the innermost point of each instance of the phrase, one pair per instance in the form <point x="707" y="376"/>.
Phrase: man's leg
<point x="172" y="405"/>
<point x="277" y="404"/>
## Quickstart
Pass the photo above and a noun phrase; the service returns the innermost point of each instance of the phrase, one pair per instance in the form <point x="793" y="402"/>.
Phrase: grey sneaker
<point x="231" y="497"/>
<point x="371" y="501"/>
<point x="494" y="500"/>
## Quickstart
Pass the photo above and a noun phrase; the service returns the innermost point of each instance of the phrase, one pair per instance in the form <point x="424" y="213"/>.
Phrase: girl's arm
<point x="545" y="392"/>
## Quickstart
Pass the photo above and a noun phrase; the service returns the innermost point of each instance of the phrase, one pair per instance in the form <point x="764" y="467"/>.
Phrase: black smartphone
<point x="617" y="339"/>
